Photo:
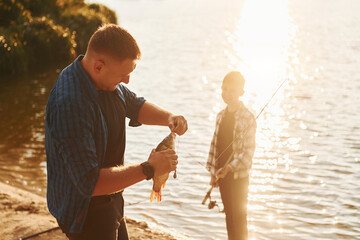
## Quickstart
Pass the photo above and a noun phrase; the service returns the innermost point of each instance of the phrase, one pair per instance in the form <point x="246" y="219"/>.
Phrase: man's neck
<point x="86" y="64"/>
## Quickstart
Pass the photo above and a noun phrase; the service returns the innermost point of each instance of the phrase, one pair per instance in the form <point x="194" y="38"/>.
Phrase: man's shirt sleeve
<point x="73" y="132"/>
<point x="133" y="104"/>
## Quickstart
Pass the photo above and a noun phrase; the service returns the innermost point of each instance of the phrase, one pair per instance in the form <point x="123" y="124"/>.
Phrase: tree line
<point x="38" y="33"/>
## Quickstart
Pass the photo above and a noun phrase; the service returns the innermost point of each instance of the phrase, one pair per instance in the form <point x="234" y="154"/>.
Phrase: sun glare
<point x="261" y="42"/>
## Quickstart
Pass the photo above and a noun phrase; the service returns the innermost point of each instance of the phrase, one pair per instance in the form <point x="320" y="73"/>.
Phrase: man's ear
<point x="98" y="66"/>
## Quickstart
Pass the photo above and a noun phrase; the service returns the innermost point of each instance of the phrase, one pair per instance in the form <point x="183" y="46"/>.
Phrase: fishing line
<point x="175" y="175"/>
<point x="212" y="204"/>
<point x="135" y="203"/>
<point x="177" y="150"/>
<point x="253" y="121"/>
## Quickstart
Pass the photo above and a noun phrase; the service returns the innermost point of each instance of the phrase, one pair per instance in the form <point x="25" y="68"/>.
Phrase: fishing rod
<point x="212" y="204"/>
<point x="39" y="233"/>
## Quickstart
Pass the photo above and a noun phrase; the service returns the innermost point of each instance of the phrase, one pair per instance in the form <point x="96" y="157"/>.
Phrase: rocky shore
<point x="24" y="214"/>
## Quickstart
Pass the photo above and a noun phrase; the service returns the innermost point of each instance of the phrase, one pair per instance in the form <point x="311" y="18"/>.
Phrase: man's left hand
<point x="178" y="124"/>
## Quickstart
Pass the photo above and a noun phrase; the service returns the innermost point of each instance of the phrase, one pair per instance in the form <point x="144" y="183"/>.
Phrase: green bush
<point x="12" y="12"/>
<point x="13" y="57"/>
<point x="37" y="33"/>
<point x="66" y="4"/>
<point x="40" y="7"/>
<point x="84" y="22"/>
<point x="107" y="13"/>
<point x="47" y="43"/>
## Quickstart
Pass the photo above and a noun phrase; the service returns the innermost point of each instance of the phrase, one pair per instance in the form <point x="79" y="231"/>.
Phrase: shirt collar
<point x="240" y="107"/>
<point x="85" y="78"/>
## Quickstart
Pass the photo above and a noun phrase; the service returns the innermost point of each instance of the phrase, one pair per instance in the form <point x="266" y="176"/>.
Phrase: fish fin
<point x="163" y="185"/>
<point x="152" y="195"/>
<point x="156" y="195"/>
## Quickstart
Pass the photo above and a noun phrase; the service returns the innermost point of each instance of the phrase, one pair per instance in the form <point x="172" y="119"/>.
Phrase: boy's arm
<point x="210" y="165"/>
<point x="243" y="157"/>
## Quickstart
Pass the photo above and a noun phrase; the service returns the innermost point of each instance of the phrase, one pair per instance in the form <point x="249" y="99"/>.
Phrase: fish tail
<point x="156" y="195"/>
<point x="152" y="195"/>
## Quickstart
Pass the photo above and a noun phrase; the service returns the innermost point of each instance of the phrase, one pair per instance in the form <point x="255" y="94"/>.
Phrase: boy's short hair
<point x="114" y="41"/>
<point x="235" y="79"/>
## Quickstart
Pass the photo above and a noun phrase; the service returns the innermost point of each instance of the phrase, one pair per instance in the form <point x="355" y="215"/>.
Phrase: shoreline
<point x="24" y="214"/>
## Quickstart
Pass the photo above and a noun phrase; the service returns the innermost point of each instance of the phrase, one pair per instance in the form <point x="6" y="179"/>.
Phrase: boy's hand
<point x="178" y="124"/>
<point x="213" y="181"/>
<point x="222" y="172"/>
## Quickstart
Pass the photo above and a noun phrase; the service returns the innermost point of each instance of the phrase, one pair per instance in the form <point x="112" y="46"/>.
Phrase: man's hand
<point x="163" y="161"/>
<point x="222" y="172"/>
<point x="178" y="124"/>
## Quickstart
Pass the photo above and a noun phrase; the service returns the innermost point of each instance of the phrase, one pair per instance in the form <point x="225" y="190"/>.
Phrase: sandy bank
<point x="23" y="214"/>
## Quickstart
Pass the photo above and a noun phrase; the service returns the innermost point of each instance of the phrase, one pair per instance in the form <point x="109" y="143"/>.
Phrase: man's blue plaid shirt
<point x="75" y="141"/>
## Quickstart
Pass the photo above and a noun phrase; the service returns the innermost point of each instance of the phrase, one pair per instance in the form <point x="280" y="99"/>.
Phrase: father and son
<point x="85" y="142"/>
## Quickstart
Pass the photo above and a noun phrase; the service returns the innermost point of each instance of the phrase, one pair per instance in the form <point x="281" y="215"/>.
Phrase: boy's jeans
<point x="234" y="195"/>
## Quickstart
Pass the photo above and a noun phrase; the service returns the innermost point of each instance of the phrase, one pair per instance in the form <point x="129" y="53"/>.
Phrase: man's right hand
<point x="163" y="161"/>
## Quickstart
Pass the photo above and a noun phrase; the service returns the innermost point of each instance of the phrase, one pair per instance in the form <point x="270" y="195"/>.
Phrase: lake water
<point x="306" y="168"/>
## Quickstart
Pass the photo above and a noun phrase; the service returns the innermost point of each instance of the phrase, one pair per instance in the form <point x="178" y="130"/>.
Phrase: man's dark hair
<point x="115" y="41"/>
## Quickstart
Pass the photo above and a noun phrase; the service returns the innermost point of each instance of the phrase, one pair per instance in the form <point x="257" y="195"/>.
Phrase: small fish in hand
<point x="159" y="182"/>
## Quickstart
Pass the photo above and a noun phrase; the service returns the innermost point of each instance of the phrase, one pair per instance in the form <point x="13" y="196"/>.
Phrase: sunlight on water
<point x="261" y="43"/>
<point x="261" y="46"/>
<point x="306" y="166"/>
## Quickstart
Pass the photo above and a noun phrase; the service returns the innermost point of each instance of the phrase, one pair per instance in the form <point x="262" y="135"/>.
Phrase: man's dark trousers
<point x="105" y="220"/>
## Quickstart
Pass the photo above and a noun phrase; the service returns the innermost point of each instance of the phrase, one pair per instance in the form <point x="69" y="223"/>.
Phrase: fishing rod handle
<point x="207" y="195"/>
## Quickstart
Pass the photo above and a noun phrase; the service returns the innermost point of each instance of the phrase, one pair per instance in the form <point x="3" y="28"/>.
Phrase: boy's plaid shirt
<point x="243" y="144"/>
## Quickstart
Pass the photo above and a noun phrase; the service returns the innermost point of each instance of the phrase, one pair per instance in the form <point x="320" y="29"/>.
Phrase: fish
<point x="159" y="182"/>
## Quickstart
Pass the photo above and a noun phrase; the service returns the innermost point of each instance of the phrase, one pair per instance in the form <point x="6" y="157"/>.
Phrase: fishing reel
<point x="212" y="203"/>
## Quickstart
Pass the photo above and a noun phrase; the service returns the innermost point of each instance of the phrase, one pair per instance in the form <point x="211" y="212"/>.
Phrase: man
<point x="85" y="138"/>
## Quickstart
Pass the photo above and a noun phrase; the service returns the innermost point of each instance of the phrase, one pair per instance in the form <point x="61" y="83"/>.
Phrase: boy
<point x="230" y="156"/>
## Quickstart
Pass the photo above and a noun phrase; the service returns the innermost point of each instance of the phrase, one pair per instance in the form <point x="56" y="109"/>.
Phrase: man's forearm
<point x="115" y="179"/>
<point x="151" y="114"/>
